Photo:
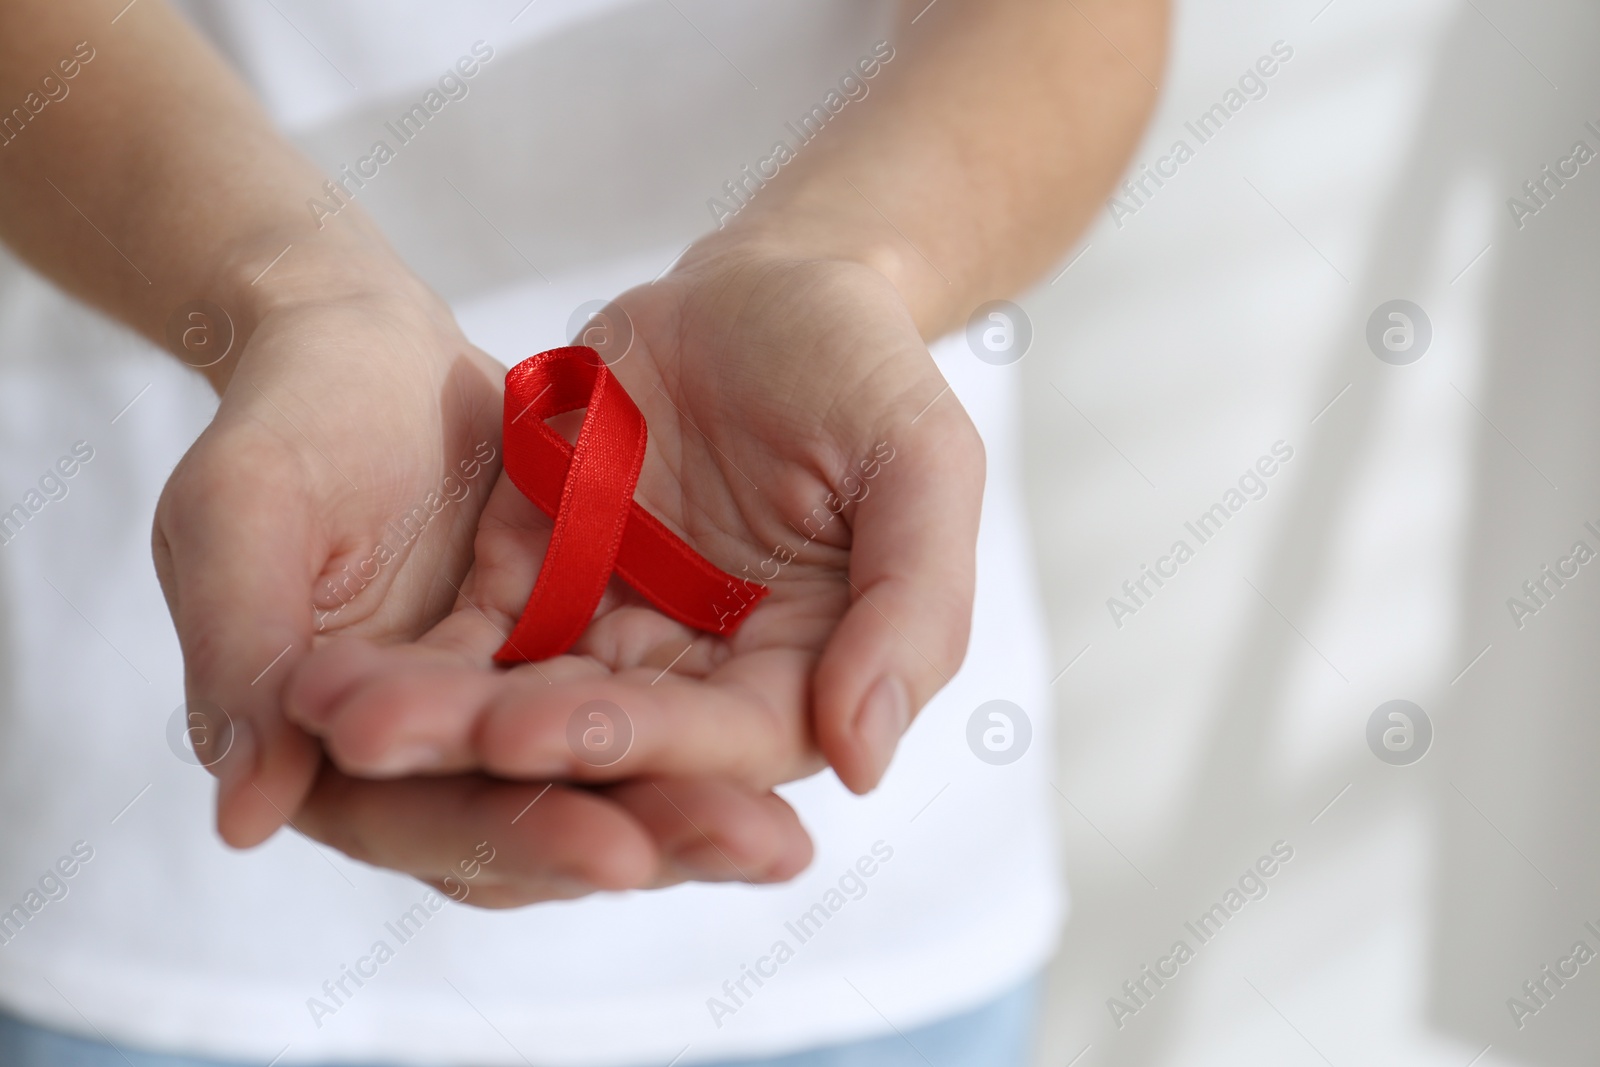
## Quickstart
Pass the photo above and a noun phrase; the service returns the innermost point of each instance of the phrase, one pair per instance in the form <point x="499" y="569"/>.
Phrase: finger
<point x="508" y="553"/>
<point x="912" y="573"/>
<point x="745" y="721"/>
<point x="502" y="844"/>
<point x="389" y="711"/>
<point x="386" y="712"/>
<point x="234" y="550"/>
<point x="546" y="841"/>
<point x="716" y="831"/>
<point x="706" y="831"/>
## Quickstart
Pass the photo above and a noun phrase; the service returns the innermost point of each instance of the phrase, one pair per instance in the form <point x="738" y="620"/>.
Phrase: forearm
<point x="151" y="178"/>
<point x="982" y="151"/>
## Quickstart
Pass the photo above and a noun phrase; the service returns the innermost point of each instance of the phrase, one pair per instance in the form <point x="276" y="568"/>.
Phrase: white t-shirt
<point x="162" y="937"/>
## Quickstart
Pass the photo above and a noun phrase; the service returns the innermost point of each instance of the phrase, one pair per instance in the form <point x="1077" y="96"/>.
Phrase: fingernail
<point x="703" y="861"/>
<point x="569" y="887"/>
<point x="407" y="757"/>
<point x="884" y="717"/>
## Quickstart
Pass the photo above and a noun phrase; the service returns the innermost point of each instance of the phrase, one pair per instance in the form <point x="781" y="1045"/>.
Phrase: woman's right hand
<point x="337" y="491"/>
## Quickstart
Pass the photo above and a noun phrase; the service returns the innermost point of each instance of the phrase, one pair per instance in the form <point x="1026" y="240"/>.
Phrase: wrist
<point x="277" y="271"/>
<point x="838" y="226"/>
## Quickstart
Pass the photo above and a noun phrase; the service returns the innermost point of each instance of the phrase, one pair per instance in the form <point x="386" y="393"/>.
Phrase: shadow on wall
<point x="1523" y="735"/>
<point x="1516" y="873"/>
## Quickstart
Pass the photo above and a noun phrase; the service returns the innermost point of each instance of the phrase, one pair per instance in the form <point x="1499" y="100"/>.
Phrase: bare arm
<point x="149" y="177"/>
<point x="984" y="148"/>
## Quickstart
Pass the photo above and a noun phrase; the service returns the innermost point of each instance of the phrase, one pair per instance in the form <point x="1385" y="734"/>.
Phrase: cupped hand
<point x="800" y="436"/>
<point x="337" y="492"/>
<point x="341" y="421"/>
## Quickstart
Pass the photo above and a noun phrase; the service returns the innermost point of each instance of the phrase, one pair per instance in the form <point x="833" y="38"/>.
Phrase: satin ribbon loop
<point x="587" y="488"/>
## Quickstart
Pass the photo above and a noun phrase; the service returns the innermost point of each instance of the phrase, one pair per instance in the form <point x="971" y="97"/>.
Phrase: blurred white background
<point x="1230" y="312"/>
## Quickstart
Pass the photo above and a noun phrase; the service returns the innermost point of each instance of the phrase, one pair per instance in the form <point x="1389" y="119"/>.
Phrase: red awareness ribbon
<point x="587" y="489"/>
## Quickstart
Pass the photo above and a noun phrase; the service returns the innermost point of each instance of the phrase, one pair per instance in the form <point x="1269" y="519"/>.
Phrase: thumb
<point x="233" y="548"/>
<point x="912" y="571"/>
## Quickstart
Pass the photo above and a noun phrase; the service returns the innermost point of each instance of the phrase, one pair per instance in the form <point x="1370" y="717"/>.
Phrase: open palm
<point x="337" y="492"/>
<point x="800" y="436"/>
